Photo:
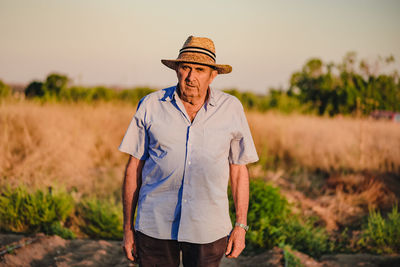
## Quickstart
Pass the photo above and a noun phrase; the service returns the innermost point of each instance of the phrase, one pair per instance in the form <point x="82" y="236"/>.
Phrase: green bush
<point x="272" y="223"/>
<point x="382" y="235"/>
<point x="101" y="93"/>
<point x="267" y="212"/>
<point x="101" y="219"/>
<point x="21" y="211"/>
<point x="5" y="90"/>
<point x="305" y="237"/>
<point x="75" y="93"/>
<point x="134" y="95"/>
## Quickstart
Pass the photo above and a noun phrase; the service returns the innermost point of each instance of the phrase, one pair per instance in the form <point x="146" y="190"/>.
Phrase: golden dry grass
<point x="330" y="144"/>
<point x="60" y="144"/>
<point x="75" y="145"/>
<point x="344" y="200"/>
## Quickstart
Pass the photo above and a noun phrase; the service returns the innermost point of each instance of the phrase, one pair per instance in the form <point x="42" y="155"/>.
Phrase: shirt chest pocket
<point x="216" y="142"/>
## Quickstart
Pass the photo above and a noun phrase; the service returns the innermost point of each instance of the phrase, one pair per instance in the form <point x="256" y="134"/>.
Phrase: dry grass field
<point x="75" y="145"/>
<point x="335" y="168"/>
<point x="329" y="144"/>
<point x="359" y="159"/>
<point x="71" y="145"/>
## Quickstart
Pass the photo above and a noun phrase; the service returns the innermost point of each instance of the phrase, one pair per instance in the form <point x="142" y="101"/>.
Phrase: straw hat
<point x="199" y="50"/>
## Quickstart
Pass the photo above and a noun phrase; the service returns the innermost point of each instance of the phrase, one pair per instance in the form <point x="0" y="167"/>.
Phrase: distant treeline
<point x="55" y="87"/>
<point x="350" y="87"/>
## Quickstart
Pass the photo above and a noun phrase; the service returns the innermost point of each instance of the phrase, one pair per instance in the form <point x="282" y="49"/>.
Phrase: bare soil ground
<point x="41" y="250"/>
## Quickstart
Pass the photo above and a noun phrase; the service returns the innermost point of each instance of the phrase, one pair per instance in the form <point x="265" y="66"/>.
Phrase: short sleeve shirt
<point x="183" y="195"/>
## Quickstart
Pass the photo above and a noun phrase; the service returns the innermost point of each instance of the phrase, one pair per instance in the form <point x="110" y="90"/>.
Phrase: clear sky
<point x="121" y="42"/>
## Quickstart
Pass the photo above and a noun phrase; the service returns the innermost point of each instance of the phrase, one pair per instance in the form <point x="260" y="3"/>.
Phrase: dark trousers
<point x="157" y="252"/>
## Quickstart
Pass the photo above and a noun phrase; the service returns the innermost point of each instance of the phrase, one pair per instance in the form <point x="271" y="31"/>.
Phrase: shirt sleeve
<point x="242" y="149"/>
<point x="135" y="141"/>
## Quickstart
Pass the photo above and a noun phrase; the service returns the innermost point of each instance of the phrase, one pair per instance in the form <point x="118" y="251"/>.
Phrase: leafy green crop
<point x="382" y="235"/>
<point x="102" y="219"/>
<point x="21" y="211"/>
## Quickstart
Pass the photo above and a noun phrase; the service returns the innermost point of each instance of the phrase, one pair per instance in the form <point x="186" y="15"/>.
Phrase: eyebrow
<point x="197" y="66"/>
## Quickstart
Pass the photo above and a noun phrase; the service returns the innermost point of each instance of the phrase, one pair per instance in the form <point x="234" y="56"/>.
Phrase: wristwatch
<point x="245" y="227"/>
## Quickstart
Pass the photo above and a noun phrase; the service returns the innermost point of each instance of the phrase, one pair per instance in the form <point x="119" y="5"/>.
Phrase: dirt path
<point x="41" y="250"/>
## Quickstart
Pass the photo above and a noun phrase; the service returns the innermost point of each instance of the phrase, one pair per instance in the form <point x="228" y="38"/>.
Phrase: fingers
<point x="134" y="249"/>
<point x="229" y="247"/>
<point x="237" y="249"/>
<point x="129" y="246"/>
<point x="128" y="252"/>
<point x="236" y="244"/>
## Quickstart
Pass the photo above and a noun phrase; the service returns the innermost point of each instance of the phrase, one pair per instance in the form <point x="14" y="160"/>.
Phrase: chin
<point x="192" y="91"/>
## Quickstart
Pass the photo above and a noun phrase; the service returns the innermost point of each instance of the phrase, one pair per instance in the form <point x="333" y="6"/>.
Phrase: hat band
<point x="200" y="50"/>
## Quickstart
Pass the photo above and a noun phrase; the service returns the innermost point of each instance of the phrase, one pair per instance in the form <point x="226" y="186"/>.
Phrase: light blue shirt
<point x="186" y="172"/>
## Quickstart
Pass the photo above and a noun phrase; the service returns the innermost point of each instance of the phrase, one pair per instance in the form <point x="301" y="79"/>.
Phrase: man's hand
<point x="130" y="192"/>
<point x="236" y="242"/>
<point x="129" y="246"/>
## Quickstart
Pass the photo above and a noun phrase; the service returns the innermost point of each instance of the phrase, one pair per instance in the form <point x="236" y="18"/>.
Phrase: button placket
<point x="187" y="168"/>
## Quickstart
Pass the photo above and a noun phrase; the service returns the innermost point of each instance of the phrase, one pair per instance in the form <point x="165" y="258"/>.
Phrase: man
<point x="185" y="143"/>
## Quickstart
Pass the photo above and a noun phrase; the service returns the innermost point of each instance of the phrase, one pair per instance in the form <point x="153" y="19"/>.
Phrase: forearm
<point x="240" y="191"/>
<point x="130" y="190"/>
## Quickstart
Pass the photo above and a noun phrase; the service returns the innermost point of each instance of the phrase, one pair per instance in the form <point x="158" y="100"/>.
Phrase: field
<point x="335" y="169"/>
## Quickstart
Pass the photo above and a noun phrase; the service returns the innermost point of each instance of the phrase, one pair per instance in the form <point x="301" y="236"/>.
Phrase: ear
<point x="213" y="74"/>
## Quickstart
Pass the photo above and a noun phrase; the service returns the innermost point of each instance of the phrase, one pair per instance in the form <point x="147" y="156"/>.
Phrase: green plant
<point x="267" y="210"/>
<point x="382" y="235"/>
<point x="21" y="211"/>
<point x="290" y="259"/>
<point x="101" y="219"/>
<point x="272" y="223"/>
<point x="342" y="242"/>
<point x="57" y="229"/>
<point x="304" y="236"/>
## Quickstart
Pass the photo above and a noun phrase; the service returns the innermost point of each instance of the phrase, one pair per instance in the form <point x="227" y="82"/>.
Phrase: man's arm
<point x="130" y="194"/>
<point x="240" y="192"/>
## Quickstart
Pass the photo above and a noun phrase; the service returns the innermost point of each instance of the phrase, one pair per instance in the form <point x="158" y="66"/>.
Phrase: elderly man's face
<point x="194" y="79"/>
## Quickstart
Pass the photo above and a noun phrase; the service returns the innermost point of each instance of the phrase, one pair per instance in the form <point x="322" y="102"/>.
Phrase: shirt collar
<point x="211" y="97"/>
<point x="171" y="94"/>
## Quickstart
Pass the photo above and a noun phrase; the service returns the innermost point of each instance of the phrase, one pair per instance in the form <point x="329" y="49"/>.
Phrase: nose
<point x="189" y="76"/>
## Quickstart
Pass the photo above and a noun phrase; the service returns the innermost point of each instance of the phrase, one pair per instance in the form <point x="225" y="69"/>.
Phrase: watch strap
<point x="245" y="227"/>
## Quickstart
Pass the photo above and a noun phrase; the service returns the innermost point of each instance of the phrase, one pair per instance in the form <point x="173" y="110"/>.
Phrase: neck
<point x="193" y="100"/>
<point x="192" y="104"/>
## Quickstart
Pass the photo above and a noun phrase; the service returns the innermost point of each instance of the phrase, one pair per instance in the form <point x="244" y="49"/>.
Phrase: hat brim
<point x="173" y="64"/>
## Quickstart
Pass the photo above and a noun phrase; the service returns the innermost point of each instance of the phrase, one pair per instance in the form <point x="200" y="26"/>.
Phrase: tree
<point x="34" y="89"/>
<point x="55" y="83"/>
<point x="342" y="88"/>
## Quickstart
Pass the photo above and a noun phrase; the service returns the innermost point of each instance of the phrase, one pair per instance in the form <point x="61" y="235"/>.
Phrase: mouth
<point x="190" y="85"/>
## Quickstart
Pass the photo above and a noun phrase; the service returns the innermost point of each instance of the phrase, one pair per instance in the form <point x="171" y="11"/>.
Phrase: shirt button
<point x="185" y="200"/>
<point x="189" y="162"/>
